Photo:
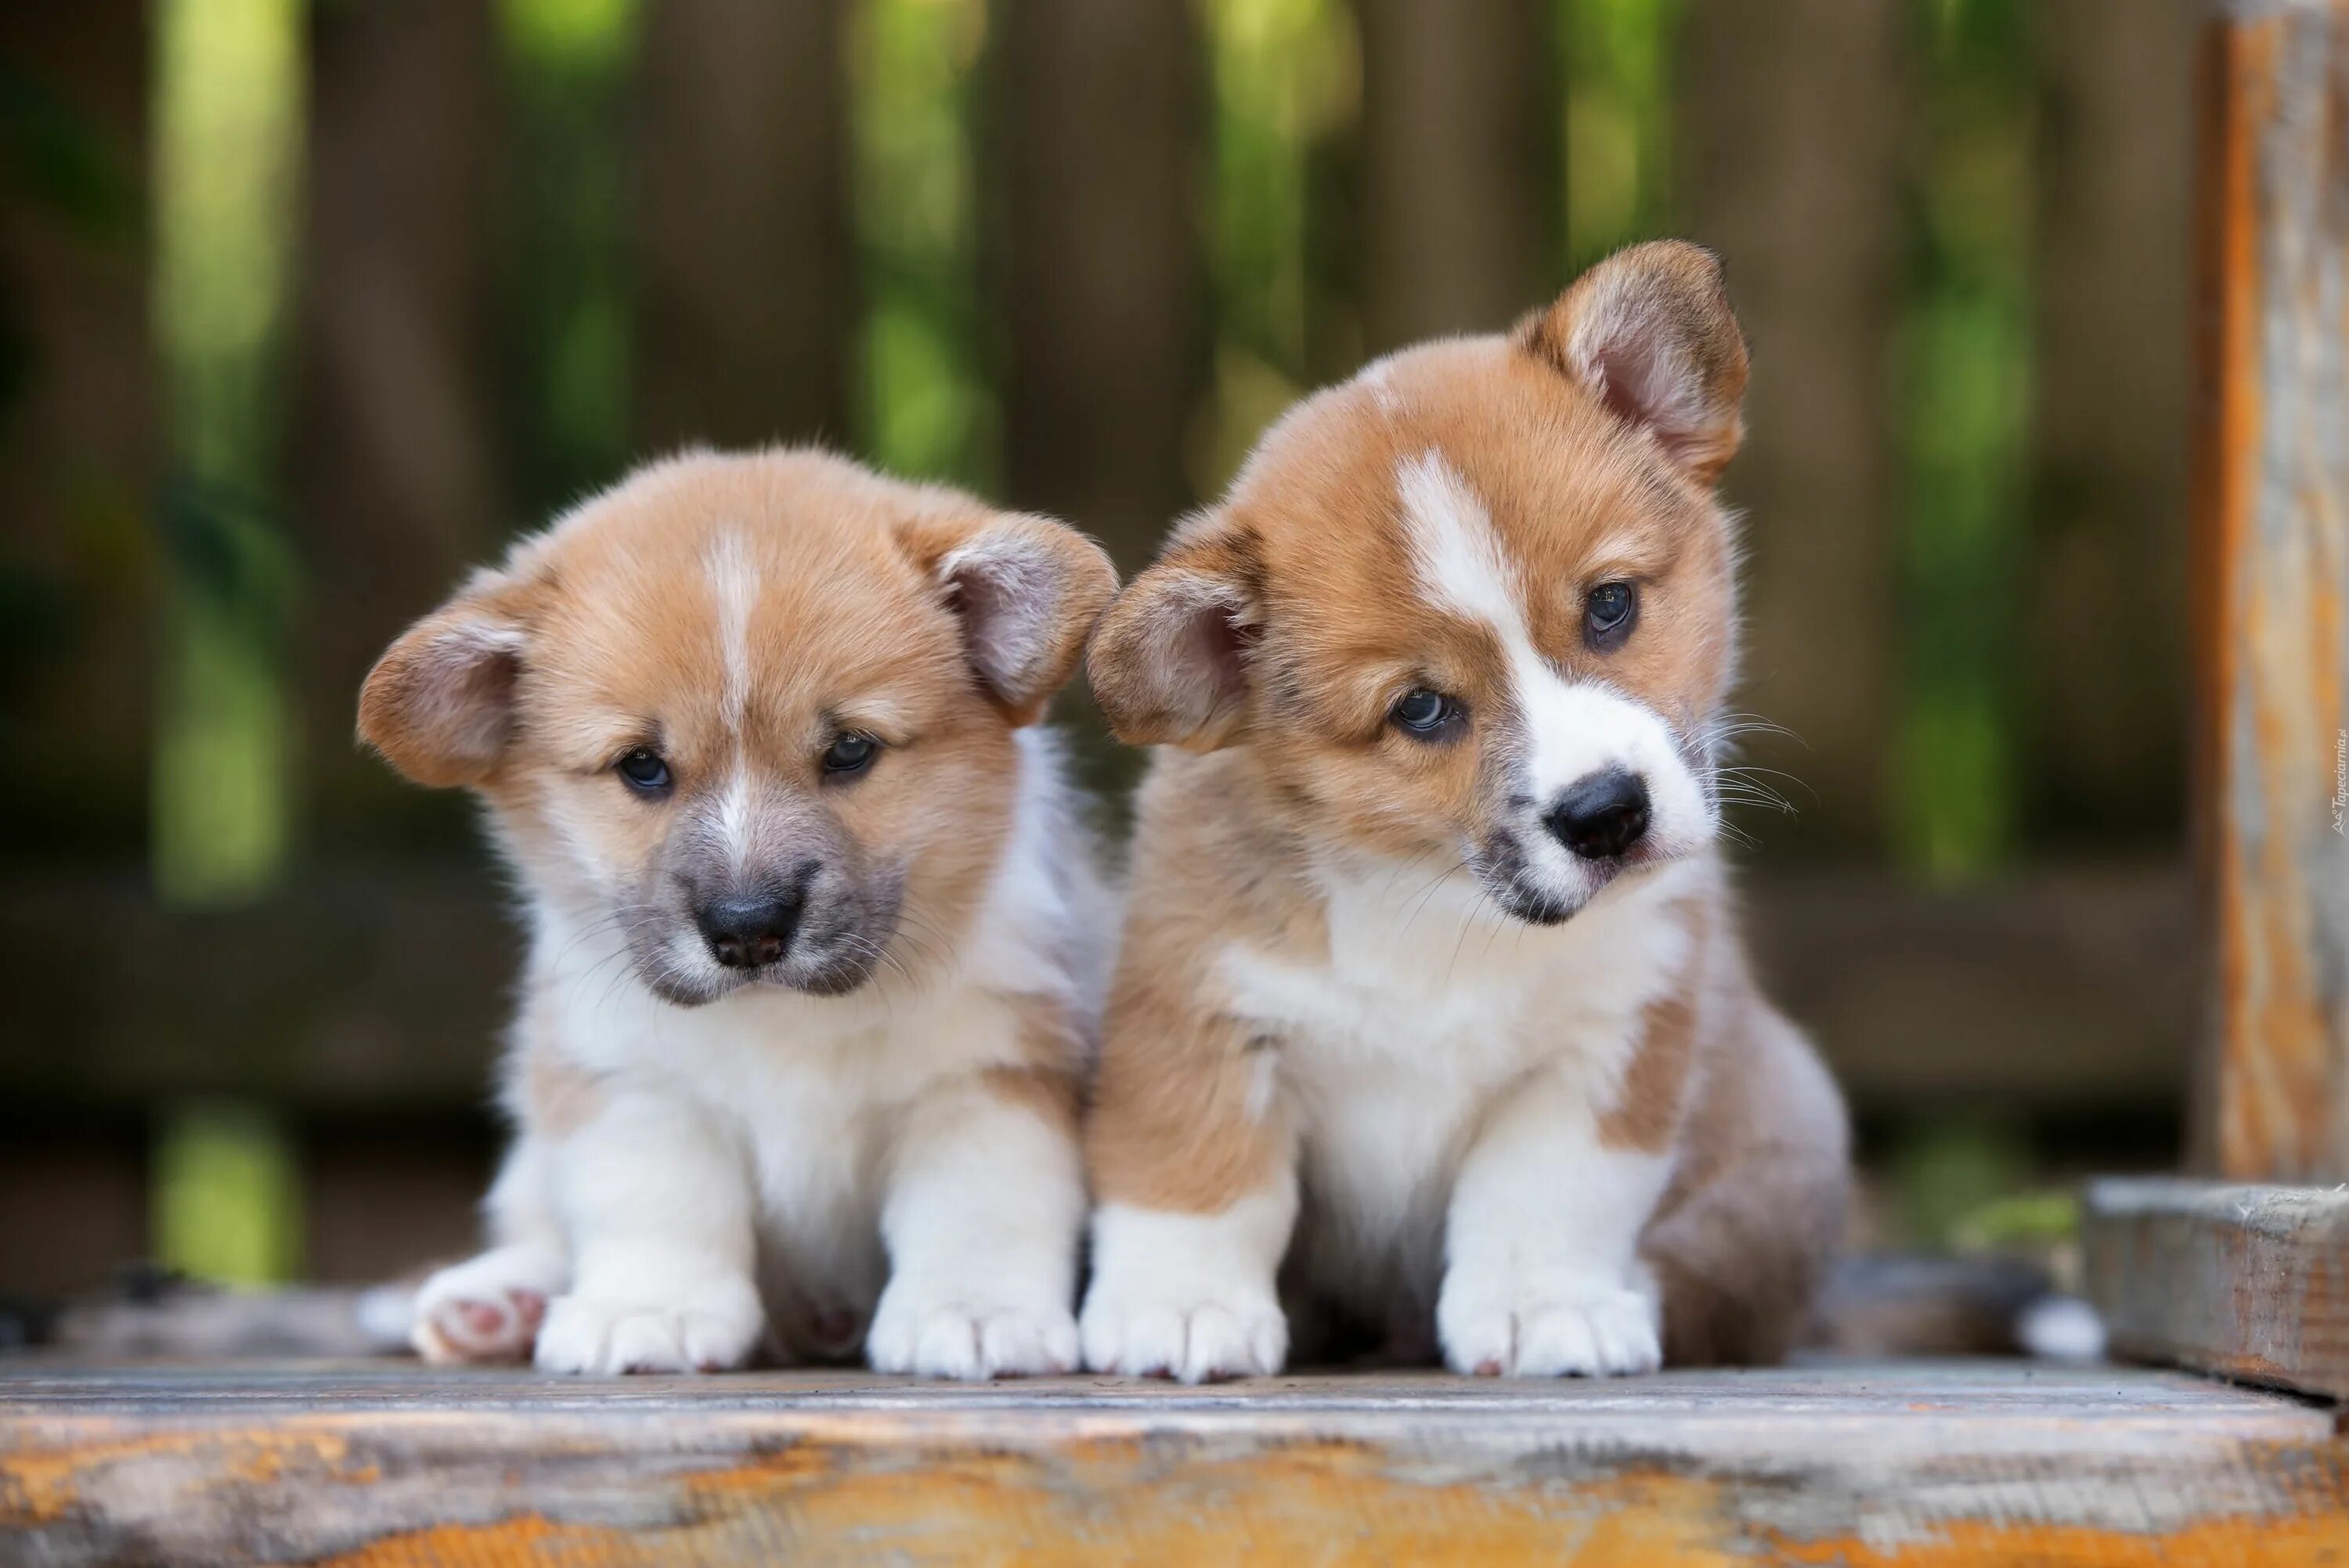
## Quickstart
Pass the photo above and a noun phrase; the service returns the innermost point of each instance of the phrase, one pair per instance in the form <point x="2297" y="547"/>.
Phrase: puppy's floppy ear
<point x="1028" y="590"/>
<point x="438" y="705"/>
<point x="1649" y="331"/>
<point x="1169" y="663"/>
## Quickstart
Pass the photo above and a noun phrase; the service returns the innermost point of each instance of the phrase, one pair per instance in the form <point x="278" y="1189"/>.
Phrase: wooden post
<point x="78" y="443"/>
<point x="1790" y="167"/>
<point x="2103" y="589"/>
<point x="742" y="224"/>
<point x="1097" y="108"/>
<point x="396" y="475"/>
<point x="2272" y="576"/>
<point x="2247" y="1279"/>
<point x="1460" y="199"/>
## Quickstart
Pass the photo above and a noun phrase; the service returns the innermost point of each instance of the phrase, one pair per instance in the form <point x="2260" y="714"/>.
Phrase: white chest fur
<point x="1431" y="1006"/>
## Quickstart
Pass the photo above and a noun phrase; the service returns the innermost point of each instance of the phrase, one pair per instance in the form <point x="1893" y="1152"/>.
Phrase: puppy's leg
<point x="982" y="1217"/>
<point x="1540" y="1276"/>
<point x="1758" y="1211"/>
<point x="1194" y="1166"/>
<point x="657" y="1204"/>
<point x="488" y="1308"/>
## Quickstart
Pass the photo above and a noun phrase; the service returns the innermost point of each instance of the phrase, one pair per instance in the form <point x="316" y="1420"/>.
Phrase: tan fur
<point x="626" y="649"/>
<point x="1052" y="1094"/>
<point x="1756" y="1207"/>
<point x="1654" y="1091"/>
<point x="1277" y="630"/>
<point x="1311" y="546"/>
<point x="1170" y="1125"/>
<point x="930" y="943"/>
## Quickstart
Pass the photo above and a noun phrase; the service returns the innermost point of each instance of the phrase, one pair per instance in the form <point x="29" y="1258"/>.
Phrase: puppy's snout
<point x="1602" y="815"/>
<point x="748" y="932"/>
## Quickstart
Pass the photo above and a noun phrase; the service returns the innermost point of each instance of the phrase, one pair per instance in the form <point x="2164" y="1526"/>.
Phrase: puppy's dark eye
<point x="852" y="753"/>
<point x="1423" y="713"/>
<point x="645" y="771"/>
<point x="1607" y="614"/>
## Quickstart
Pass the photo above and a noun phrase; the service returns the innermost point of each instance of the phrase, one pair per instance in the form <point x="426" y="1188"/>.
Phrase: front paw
<point x="487" y="1310"/>
<point x="1194" y="1336"/>
<point x="708" y="1328"/>
<point x="1596" y="1328"/>
<point x="933" y="1333"/>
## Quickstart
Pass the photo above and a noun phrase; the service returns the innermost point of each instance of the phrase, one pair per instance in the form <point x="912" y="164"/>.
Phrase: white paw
<point x="707" y="1328"/>
<point x="1578" y="1329"/>
<point x="1193" y="1337"/>
<point x="486" y="1310"/>
<point x="931" y="1333"/>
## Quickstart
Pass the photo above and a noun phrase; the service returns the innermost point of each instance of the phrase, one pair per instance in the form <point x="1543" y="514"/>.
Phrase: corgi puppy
<point x="816" y="942"/>
<point x="1431" y="1022"/>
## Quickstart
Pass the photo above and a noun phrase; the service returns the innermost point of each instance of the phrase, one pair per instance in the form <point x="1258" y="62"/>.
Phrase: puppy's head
<point x="1475" y="603"/>
<point x="754" y="713"/>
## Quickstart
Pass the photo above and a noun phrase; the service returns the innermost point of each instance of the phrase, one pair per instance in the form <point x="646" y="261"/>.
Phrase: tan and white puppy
<point x="1432" y="1021"/>
<point x="816" y="941"/>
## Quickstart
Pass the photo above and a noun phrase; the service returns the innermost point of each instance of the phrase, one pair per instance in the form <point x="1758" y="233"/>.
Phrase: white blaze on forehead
<point x="1461" y="563"/>
<point x="1573" y="729"/>
<point x="734" y="586"/>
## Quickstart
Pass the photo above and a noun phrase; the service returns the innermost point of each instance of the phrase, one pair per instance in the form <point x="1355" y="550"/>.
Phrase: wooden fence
<point x="1075" y="253"/>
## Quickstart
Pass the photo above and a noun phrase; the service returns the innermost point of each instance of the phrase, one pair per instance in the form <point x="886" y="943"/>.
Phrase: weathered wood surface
<point x="387" y="992"/>
<point x="2250" y="1283"/>
<point x="1917" y="1464"/>
<point x="2272" y="579"/>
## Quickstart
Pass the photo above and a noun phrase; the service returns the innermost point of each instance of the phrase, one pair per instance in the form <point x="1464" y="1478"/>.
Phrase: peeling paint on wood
<point x="2272" y="577"/>
<point x="2250" y="1283"/>
<point x="1898" y="1464"/>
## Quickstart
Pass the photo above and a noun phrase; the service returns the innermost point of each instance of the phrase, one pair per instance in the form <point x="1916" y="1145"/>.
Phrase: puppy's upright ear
<point x="1028" y="590"/>
<point x="438" y="705"/>
<point x="1169" y="664"/>
<point x="1650" y="333"/>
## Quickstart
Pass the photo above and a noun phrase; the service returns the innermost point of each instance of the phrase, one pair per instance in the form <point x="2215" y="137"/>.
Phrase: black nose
<point x="744" y="933"/>
<point x="1601" y="816"/>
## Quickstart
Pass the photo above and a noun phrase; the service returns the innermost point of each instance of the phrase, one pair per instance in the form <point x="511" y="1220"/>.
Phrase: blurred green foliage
<point x="227" y="1195"/>
<point x="230" y="78"/>
<point x="1275" y="176"/>
<point x="566" y="285"/>
<point x="1617" y="123"/>
<point x="1285" y="81"/>
<point x="924" y="403"/>
<point x="1963" y="375"/>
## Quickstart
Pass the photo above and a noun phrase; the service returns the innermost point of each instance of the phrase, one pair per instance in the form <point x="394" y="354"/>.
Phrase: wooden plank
<point x="2247" y="1282"/>
<point x="394" y="463"/>
<point x="1461" y="194"/>
<point x="2102" y="585"/>
<point x="2070" y="987"/>
<point x="742" y="224"/>
<point x="78" y="443"/>
<point x="1917" y="1464"/>
<point x="1789" y="147"/>
<point x="2272" y="564"/>
<point x="1098" y="112"/>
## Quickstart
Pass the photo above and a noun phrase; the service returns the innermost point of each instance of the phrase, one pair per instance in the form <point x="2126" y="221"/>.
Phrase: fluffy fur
<point x="1389" y="1065"/>
<point x="863" y="1134"/>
